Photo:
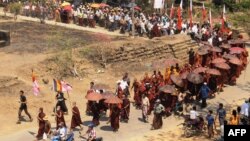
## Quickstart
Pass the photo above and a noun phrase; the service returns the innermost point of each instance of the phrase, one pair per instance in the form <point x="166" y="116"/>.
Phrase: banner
<point x="158" y="4"/>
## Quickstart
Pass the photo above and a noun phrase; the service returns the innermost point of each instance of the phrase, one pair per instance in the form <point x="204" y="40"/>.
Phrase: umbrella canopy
<point x="218" y="60"/>
<point x="167" y="89"/>
<point x="206" y="47"/>
<point x="184" y="75"/>
<point x="229" y="56"/>
<point x="107" y="94"/>
<point x="104" y="5"/>
<point x="171" y="62"/>
<point x="101" y="86"/>
<point x="226" y="46"/>
<point x="67" y="8"/>
<point x="223" y="66"/>
<point x="65" y="3"/>
<point x="236" y="41"/>
<point x="235" y="61"/>
<point x="137" y="8"/>
<point x="202" y="51"/>
<point x="205" y="43"/>
<point x="199" y="70"/>
<point x="177" y="80"/>
<point x="236" y="50"/>
<point x="213" y="72"/>
<point x="94" y="96"/>
<point x="215" y="49"/>
<point x="113" y="100"/>
<point x="194" y="78"/>
<point x="95" y="5"/>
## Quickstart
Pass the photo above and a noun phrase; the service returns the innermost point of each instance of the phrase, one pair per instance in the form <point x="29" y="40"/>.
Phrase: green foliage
<point x="15" y="8"/>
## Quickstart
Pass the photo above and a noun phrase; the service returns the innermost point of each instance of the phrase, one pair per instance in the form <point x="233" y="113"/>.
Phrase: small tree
<point x="15" y="8"/>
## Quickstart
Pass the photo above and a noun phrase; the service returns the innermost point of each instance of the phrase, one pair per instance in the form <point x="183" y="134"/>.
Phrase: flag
<point x="204" y="12"/>
<point x="210" y="19"/>
<point x="179" y="10"/>
<point x="36" y="89"/>
<point x="57" y="86"/>
<point x="65" y="86"/>
<point x="223" y="21"/>
<point x="179" y="23"/>
<point x="190" y="14"/>
<point x="172" y="11"/>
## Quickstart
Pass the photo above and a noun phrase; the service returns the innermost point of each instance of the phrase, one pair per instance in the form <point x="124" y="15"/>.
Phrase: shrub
<point x="15" y="8"/>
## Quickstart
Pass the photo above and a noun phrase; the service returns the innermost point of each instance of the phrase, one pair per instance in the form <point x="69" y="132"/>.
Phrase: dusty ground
<point x="32" y="45"/>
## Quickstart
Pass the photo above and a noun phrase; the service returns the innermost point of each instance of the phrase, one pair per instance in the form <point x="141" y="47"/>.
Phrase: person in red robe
<point x="41" y="123"/>
<point x="137" y="97"/>
<point x="125" y="109"/>
<point x="76" y="117"/>
<point x="89" y="103"/>
<point x="115" y="117"/>
<point x="47" y="128"/>
<point x="119" y="90"/>
<point x="59" y="117"/>
<point x="146" y="78"/>
<point x="151" y="98"/>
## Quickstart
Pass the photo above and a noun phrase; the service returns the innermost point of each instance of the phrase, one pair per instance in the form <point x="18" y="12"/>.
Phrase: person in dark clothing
<point x="61" y="102"/>
<point x="96" y="113"/>
<point x="41" y="124"/>
<point x="191" y="56"/>
<point x="125" y="109"/>
<point x="23" y="106"/>
<point x="204" y="91"/>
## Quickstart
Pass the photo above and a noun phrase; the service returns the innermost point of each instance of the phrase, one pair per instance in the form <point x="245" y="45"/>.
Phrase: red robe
<point x="41" y="124"/>
<point x="114" y="118"/>
<point x="125" y="109"/>
<point x="137" y="97"/>
<point x="59" y="119"/>
<point x="76" y="118"/>
<point x="119" y="92"/>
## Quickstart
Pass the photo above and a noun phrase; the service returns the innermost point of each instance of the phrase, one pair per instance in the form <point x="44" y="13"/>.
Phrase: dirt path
<point x="70" y="26"/>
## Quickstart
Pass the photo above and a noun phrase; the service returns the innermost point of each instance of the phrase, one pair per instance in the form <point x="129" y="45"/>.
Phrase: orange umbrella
<point x="113" y="100"/>
<point x="107" y="94"/>
<point x="215" y="49"/>
<point x="218" y="60"/>
<point x="184" y="75"/>
<point x="167" y="89"/>
<point x="236" y="50"/>
<point x="195" y="78"/>
<point x="94" y="96"/>
<point x="213" y="72"/>
<point x="199" y="70"/>
<point x="235" y="61"/>
<point x="177" y="80"/>
<point x="223" y="66"/>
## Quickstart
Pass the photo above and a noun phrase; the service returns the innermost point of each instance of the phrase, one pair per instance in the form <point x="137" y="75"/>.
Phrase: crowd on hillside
<point x="111" y="18"/>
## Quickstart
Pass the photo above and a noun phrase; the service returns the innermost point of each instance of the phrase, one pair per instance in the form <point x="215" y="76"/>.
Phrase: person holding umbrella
<point x="125" y="109"/>
<point x="204" y="91"/>
<point x="115" y="117"/>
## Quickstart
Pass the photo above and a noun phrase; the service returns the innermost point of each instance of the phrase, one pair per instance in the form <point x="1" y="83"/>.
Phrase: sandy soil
<point x="30" y="48"/>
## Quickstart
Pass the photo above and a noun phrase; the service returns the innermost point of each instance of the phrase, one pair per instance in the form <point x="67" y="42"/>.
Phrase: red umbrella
<point x="137" y="8"/>
<point x="177" y="80"/>
<point x="113" y="100"/>
<point x="225" y="46"/>
<point x="202" y="51"/>
<point x="235" y="61"/>
<point x="184" y="75"/>
<point x="213" y="72"/>
<point x="218" y="60"/>
<point x="199" y="70"/>
<point x="171" y="62"/>
<point x="215" y="49"/>
<point x="167" y="89"/>
<point x="195" y="78"/>
<point x="67" y="8"/>
<point x="104" y="5"/>
<point x="94" y="96"/>
<point x="223" y="66"/>
<point x="101" y="86"/>
<point x="107" y="94"/>
<point x="236" y="41"/>
<point x="229" y="56"/>
<point x="236" y="50"/>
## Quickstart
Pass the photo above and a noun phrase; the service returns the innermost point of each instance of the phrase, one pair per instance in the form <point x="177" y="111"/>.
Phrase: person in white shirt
<point x="193" y="115"/>
<point x="62" y="131"/>
<point x="145" y="107"/>
<point x="244" y="108"/>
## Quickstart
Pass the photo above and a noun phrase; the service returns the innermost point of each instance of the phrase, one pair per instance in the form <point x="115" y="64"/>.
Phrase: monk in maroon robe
<point x="125" y="109"/>
<point x="76" y="117"/>
<point x="41" y="123"/>
<point x="59" y="117"/>
<point x="96" y="113"/>
<point x="137" y="97"/>
<point x="115" y="117"/>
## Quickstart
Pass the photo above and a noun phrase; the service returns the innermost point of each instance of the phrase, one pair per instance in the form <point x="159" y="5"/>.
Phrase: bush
<point x="15" y="8"/>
